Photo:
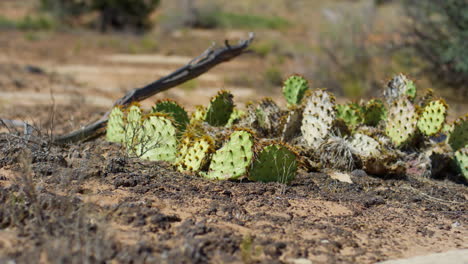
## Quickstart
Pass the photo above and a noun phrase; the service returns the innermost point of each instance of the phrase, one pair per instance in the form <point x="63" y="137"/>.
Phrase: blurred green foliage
<point x="39" y="22"/>
<point x="440" y="36"/>
<point x="115" y="14"/>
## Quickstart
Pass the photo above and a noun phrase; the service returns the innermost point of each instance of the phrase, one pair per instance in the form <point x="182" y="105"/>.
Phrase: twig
<point x="201" y="64"/>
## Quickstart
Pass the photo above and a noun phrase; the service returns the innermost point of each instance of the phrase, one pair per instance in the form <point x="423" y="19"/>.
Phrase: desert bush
<point x="344" y="56"/>
<point x="39" y="22"/>
<point x="115" y="14"/>
<point x="211" y="15"/>
<point x="439" y="30"/>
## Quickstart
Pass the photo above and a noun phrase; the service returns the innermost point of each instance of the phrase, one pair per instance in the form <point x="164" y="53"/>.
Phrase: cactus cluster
<point x="269" y="143"/>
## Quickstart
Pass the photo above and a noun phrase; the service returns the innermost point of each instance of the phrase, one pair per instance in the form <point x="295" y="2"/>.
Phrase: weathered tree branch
<point x="207" y="60"/>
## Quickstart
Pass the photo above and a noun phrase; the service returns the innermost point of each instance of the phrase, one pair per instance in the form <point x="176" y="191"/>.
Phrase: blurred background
<point x="90" y="52"/>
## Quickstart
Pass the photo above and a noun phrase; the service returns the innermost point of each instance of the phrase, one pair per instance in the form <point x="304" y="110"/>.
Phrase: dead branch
<point x="201" y="64"/>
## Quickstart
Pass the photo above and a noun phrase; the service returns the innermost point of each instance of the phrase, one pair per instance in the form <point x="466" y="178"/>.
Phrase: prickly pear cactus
<point x="158" y="140"/>
<point x="374" y="112"/>
<point x="461" y="157"/>
<point x="459" y="136"/>
<point x="351" y="114"/>
<point x="133" y="128"/>
<point x="291" y="124"/>
<point x="115" y="126"/>
<point x="401" y="121"/>
<point x="365" y="146"/>
<point x="268" y="115"/>
<point x="194" y="153"/>
<point x="432" y="119"/>
<point x="177" y="112"/>
<point x="220" y="109"/>
<point x="235" y="116"/>
<point x="274" y="163"/>
<point x="318" y="117"/>
<point x="294" y="89"/>
<point x="232" y="160"/>
<point x="198" y="115"/>
<point x="399" y="86"/>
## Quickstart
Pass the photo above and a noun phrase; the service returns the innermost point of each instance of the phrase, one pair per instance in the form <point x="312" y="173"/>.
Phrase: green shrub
<point x="212" y="16"/>
<point x="116" y="14"/>
<point x="439" y="30"/>
<point x="28" y="23"/>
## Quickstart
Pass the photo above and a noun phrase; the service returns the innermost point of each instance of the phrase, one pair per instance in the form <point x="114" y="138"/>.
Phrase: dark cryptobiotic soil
<point x="88" y="202"/>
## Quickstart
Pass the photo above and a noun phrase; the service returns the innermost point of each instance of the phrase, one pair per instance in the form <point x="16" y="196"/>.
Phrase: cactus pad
<point x="294" y="89"/>
<point x="318" y="117"/>
<point x="158" y="140"/>
<point x="432" y="119"/>
<point x="115" y="126"/>
<point x="220" y="109"/>
<point x="274" y="163"/>
<point x="461" y="157"/>
<point x="235" y="116"/>
<point x="291" y="124"/>
<point x="198" y="115"/>
<point x="365" y="146"/>
<point x="133" y="128"/>
<point x="459" y="136"/>
<point x="194" y="153"/>
<point x="351" y="114"/>
<point x="176" y="111"/>
<point x="232" y="160"/>
<point x="401" y="121"/>
<point x="399" y="86"/>
<point x="374" y="112"/>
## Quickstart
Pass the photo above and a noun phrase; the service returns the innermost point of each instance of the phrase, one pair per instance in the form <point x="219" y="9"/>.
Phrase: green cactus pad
<point x="176" y="111"/>
<point x="432" y="119"/>
<point x="232" y="160"/>
<point x="461" y="158"/>
<point x="351" y="114"/>
<point x="318" y="117"/>
<point x="115" y="131"/>
<point x="220" y="109"/>
<point x="365" y="146"/>
<point x="194" y="153"/>
<point x="399" y="86"/>
<point x="235" y="116"/>
<point x="459" y="136"/>
<point x="294" y="89"/>
<point x="274" y="163"/>
<point x="158" y="140"/>
<point x="374" y="112"/>
<point x="401" y="121"/>
<point x="198" y="115"/>
<point x="133" y="128"/>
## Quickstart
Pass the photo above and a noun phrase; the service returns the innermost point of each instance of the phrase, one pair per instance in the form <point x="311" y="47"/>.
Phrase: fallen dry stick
<point x="201" y="64"/>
